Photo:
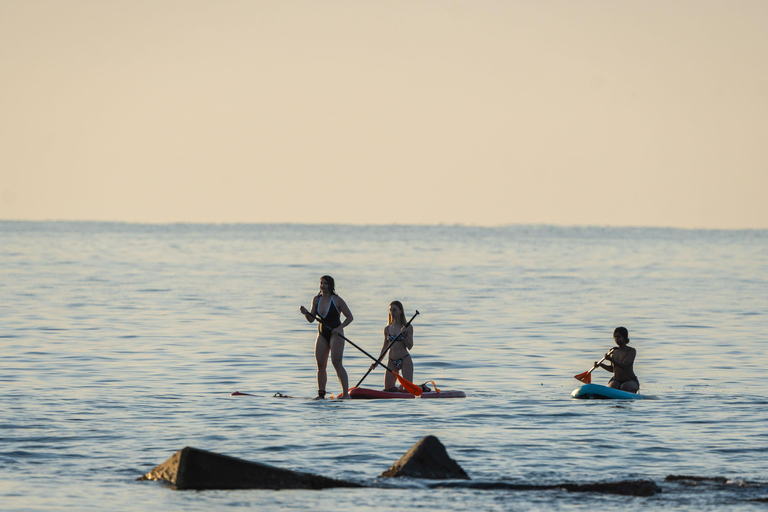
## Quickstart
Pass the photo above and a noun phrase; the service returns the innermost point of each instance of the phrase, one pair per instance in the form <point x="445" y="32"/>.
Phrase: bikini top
<point x="391" y="338"/>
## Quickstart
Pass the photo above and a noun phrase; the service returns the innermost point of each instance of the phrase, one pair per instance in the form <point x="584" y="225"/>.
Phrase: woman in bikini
<point x="329" y="307"/>
<point x="399" y="358"/>
<point x="622" y="358"/>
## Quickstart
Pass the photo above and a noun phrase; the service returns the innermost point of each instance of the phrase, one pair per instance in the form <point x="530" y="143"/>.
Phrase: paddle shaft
<point x="581" y="376"/>
<point x="397" y="338"/>
<point x="320" y="320"/>
<point x="598" y="364"/>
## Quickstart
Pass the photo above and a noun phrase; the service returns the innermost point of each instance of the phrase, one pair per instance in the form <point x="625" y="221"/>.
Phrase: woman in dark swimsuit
<point x="399" y="358"/>
<point x="622" y="359"/>
<point x="329" y="307"/>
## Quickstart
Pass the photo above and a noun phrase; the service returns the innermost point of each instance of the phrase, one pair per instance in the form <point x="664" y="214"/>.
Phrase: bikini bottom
<point x="398" y="363"/>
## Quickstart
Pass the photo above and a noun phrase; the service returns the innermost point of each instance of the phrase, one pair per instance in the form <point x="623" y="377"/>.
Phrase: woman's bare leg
<point x="407" y="369"/>
<point x="322" y="349"/>
<point x="630" y="386"/>
<point x="337" y="353"/>
<point x="389" y="378"/>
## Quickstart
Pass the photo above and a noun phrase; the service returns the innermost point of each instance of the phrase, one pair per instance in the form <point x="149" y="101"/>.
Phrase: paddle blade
<point x="585" y="377"/>
<point x="410" y="386"/>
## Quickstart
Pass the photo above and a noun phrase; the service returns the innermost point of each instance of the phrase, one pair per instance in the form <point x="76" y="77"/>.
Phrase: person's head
<point x="329" y="284"/>
<point x="396" y="313"/>
<point x="621" y="335"/>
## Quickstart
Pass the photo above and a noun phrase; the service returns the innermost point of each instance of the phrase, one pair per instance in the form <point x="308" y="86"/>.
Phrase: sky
<point x="473" y="112"/>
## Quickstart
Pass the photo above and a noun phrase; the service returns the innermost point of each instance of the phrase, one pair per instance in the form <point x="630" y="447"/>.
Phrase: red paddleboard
<point x="372" y="394"/>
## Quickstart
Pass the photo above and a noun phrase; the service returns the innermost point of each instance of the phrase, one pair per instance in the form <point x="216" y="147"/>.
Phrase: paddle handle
<point x="399" y="337"/>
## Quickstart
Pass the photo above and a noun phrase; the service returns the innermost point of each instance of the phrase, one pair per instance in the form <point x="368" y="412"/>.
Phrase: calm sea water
<point x="122" y="343"/>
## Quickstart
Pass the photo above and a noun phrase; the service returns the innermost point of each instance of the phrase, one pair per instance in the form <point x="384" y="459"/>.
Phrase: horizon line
<point x="361" y="225"/>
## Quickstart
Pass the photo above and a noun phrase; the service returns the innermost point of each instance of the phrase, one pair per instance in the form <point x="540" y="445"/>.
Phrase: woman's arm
<point x="384" y="347"/>
<point x="344" y="310"/>
<point x="605" y="366"/>
<point x="310" y="315"/>
<point x="385" y="344"/>
<point x="607" y="357"/>
<point x="408" y="337"/>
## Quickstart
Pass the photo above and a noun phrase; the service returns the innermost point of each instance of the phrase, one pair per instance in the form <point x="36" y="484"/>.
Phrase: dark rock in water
<point x="710" y="481"/>
<point x="191" y="468"/>
<point x="625" y="488"/>
<point x="694" y="480"/>
<point x="427" y="459"/>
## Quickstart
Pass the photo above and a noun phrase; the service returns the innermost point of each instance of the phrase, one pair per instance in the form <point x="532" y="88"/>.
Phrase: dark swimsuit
<point x="633" y="378"/>
<point x="331" y="320"/>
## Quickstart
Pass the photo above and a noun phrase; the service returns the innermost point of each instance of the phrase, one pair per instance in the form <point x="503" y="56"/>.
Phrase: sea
<point x="122" y="344"/>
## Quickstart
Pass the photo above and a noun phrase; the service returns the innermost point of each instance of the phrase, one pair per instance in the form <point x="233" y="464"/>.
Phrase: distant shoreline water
<point x="530" y="227"/>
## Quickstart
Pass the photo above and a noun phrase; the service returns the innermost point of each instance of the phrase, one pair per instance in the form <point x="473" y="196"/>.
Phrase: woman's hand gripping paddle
<point x="586" y="377"/>
<point x="378" y="361"/>
<point x="409" y="386"/>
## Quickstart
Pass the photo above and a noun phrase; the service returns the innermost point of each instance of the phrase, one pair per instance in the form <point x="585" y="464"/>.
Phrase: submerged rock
<point x="195" y="469"/>
<point x="694" y="480"/>
<point x="624" y="488"/>
<point x="689" y="480"/>
<point x="427" y="459"/>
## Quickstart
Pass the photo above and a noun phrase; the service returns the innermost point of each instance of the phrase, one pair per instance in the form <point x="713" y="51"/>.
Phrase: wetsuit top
<point x="331" y="320"/>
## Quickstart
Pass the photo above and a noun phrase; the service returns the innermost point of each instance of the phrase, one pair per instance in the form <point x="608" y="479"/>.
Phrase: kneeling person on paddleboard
<point x="622" y="358"/>
<point x="398" y="338"/>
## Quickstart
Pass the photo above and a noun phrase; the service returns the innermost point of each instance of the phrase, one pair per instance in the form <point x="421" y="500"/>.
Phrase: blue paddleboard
<point x="604" y="393"/>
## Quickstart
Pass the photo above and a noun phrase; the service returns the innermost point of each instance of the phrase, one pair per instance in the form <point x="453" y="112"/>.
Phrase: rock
<point x="694" y="480"/>
<point x="625" y="488"/>
<point x="427" y="459"/>
<point x="191" y="468"/>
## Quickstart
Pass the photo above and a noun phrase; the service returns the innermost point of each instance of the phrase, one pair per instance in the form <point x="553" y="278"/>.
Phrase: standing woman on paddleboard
<point x="399" y="357"/>
<point x="622" y="358"/>
<point x="327" y="308"/>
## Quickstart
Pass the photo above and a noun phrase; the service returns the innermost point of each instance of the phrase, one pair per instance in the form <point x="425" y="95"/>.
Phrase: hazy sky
<point x="478" y="112"/>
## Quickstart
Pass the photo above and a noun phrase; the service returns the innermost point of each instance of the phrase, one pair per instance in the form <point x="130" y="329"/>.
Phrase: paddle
<point x="586" y="377"/>
<point x="397" y="338"/>
<point x="409" y="386"/>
